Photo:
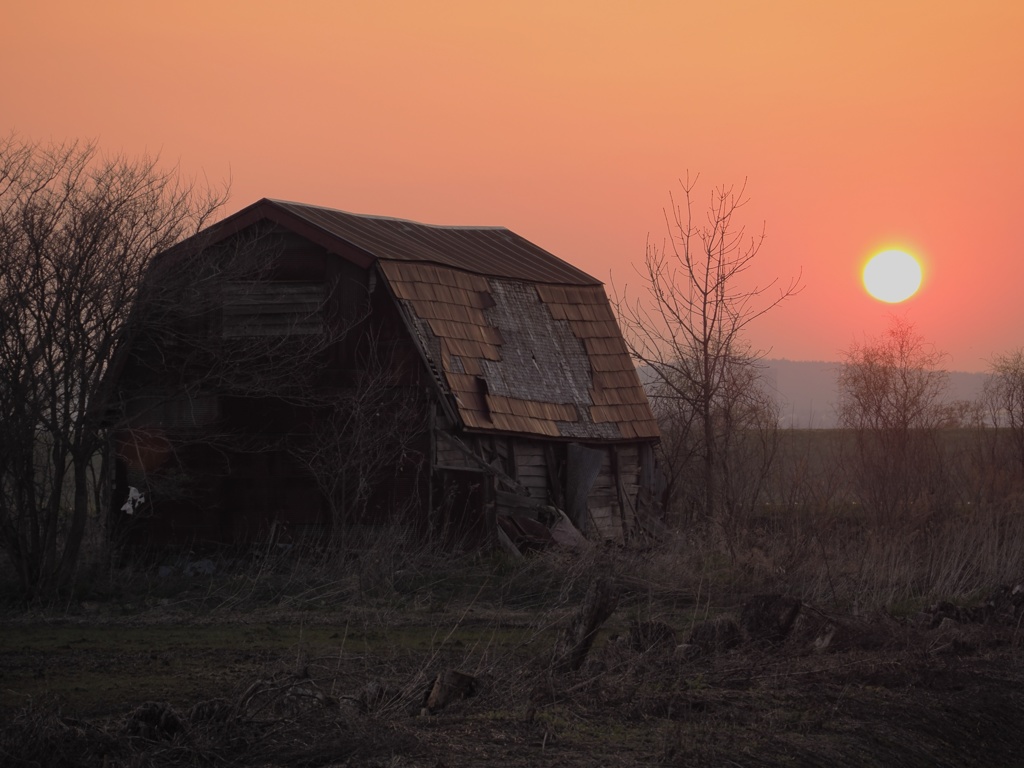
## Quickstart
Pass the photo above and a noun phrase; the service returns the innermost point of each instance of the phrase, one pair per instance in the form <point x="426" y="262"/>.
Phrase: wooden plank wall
<point x="629" y="482"/>
<point x="448" y="455"/>
<point x="612" y="500"/>
<point x="603" y="504"/>
<point x="531" y="468"/>
<point x="264" y="308"/>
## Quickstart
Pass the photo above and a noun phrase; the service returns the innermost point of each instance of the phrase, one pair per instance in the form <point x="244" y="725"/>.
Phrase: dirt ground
<point x="348" y="686"/>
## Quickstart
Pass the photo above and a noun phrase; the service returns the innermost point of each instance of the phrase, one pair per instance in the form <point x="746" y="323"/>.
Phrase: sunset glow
<point x="892" y="276"/>
<point x="569" y="122"/>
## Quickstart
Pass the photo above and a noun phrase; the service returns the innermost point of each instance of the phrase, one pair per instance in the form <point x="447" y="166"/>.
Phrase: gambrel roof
<point x="519" y="340"/>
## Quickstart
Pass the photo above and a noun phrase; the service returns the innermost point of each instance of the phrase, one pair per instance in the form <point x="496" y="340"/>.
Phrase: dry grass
<point x="309" y="657"/>
<point x="292" y="681"/>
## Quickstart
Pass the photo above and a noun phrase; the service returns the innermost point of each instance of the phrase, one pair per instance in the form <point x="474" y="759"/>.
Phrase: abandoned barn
<point x="296" y="368"/>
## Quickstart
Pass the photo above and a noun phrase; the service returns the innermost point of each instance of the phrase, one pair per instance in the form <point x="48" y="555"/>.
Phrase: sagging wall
<point x="598" y="486"/>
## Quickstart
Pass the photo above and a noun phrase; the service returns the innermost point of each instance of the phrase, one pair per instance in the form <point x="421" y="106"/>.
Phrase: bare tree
<point x="366" y="436"/>
<point x="891" y="396"/>
<point x="1004" y="395"/>
<point x="77" y="232"/>
<point x="686" y="329"/>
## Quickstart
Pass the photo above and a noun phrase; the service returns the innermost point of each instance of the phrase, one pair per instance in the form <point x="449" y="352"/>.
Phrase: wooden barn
<point x="296" y="368"/>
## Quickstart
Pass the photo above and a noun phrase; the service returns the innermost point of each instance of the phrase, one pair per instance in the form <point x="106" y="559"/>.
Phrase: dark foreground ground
<point x="167" y="685"/>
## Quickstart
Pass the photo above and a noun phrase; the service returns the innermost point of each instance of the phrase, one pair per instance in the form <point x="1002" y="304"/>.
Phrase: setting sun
<point x="892" y="276"/>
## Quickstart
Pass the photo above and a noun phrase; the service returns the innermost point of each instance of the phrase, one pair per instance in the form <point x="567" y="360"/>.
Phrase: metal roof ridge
<point x="489" y="275"/>
<point x="485" y="227"/>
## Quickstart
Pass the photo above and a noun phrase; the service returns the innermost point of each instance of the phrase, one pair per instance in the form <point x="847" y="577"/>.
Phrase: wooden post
<point x="575" y="642"/>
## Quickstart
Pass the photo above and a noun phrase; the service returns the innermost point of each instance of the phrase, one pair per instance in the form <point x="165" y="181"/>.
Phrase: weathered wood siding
<point x="449" y="454"/>
<point x="531" y="469"/>
<point x="265" y="308"/>
<point x="602" y="502"/>
<point x="611" y="503"/>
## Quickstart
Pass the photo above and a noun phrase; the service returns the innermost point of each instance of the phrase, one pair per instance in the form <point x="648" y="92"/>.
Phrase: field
<point x="331" y="664"/>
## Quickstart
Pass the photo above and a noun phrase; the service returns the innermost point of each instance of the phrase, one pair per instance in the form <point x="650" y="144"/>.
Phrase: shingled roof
<point x="522" y="341"/>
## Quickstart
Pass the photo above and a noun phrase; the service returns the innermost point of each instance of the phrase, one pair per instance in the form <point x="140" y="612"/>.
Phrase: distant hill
<point x="807" y="392"/>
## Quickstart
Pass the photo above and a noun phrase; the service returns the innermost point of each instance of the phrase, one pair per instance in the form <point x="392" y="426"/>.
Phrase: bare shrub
<point x="891" y="399"/>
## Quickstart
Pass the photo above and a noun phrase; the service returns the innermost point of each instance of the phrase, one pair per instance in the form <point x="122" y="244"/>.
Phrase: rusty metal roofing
<point x="494" y="251"/>
<point x="522" y="357"/>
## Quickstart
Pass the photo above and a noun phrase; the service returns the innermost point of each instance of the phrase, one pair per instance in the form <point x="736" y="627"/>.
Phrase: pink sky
<point x="857" y="125"/>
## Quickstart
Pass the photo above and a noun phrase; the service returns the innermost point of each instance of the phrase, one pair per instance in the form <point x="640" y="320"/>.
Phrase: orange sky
<point x="858" y="125"/>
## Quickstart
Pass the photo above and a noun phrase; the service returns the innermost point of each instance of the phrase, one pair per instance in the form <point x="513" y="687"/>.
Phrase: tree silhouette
<point x="686" y="329"/>
<point x="77" y="233"/>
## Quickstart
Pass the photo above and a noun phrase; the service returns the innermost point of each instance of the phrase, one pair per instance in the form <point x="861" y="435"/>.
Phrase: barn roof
<point x="522" y="341"/>
<point x="492" y="251"/>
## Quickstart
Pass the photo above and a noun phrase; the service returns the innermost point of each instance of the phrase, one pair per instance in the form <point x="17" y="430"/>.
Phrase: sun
<point x="892" y="276"/>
